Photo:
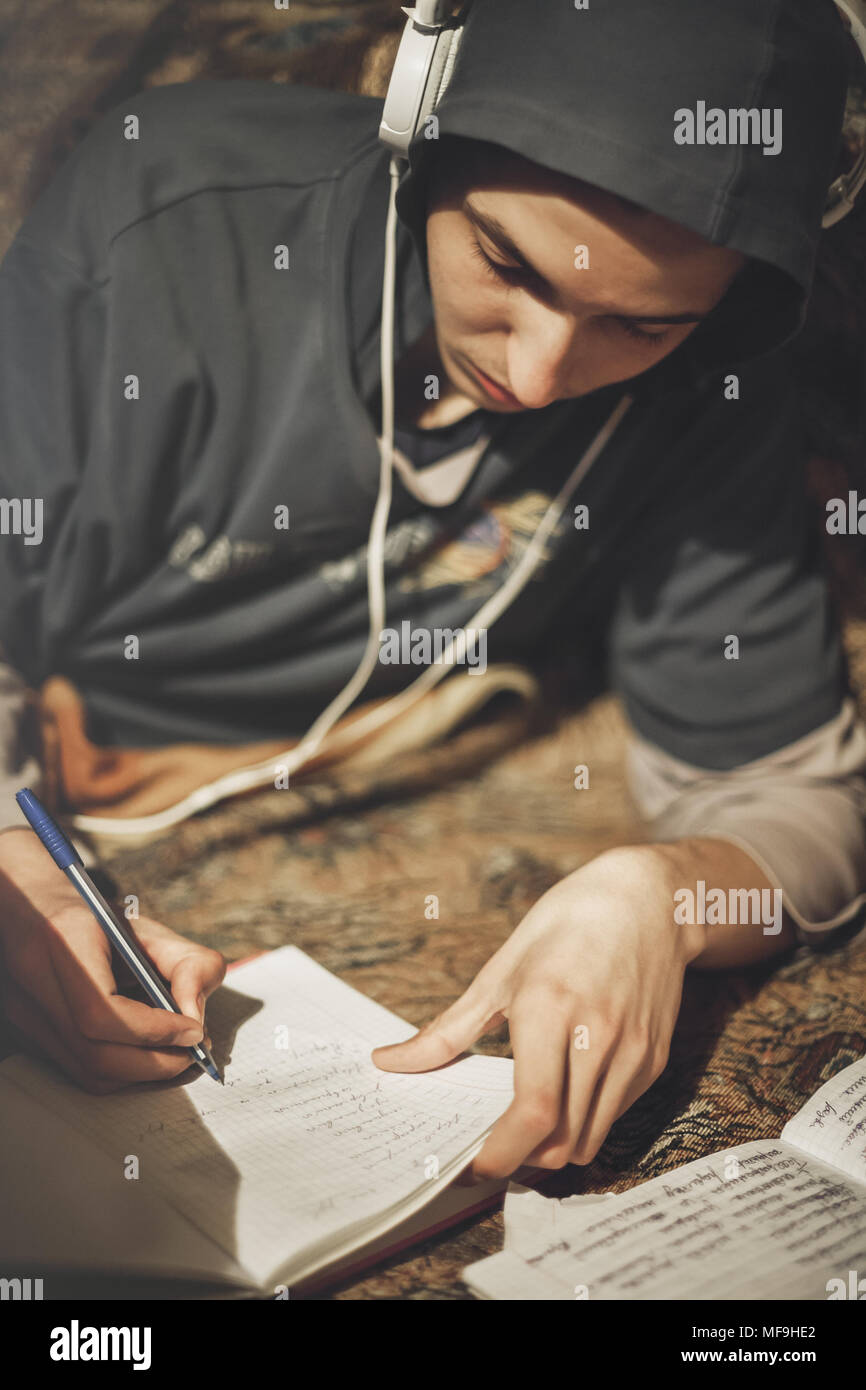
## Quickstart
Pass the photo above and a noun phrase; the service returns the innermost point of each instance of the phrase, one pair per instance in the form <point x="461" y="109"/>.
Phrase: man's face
<point x="510" y="302"/>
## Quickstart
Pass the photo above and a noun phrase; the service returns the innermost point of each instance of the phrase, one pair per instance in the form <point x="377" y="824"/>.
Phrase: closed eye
<point x="641" y="334"/>
<point x="514" y="275"/>
<point x="510" y="274"/>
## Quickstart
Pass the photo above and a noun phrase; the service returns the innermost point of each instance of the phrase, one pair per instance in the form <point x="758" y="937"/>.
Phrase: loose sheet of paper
<point x="531" y="1217"/>
<point x="307" y="1137"/>
<point x="760" y="1221"/>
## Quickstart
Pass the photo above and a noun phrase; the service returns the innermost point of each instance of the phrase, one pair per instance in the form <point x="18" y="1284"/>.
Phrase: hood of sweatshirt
<point x="611" y="94"/>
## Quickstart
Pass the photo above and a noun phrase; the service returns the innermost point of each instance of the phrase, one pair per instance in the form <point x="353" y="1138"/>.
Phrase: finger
<point x="586" y="1074"/>
<point x="41" y="945"/>
<point x="539" y="1042"/>
<point x="50" y="964"/>
<point x="192" y="971"/>
<point x="621" y="1087"/>
<point x="440" y="1041"/>
<point x="94" y="1009"/>
<point x="31" y="975"/>
<point x="66" y="964"/>
<point x="96" y="1067"/>
<point x="128" y="1065"/>
<point x="38" y="1036"/>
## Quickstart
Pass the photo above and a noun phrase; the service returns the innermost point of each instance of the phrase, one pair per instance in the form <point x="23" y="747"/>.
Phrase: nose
<point x="541" y="357"/>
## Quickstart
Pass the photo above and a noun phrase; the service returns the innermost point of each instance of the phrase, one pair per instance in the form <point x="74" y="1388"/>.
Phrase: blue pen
<point x="121" y="938"/>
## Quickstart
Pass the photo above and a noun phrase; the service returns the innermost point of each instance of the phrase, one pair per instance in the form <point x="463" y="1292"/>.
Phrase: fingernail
<point x="200" y="1003"/>
<point x="190" y="1036"/>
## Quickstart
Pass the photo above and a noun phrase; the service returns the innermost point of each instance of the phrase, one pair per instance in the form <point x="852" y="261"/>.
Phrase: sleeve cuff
<point x="798" y="813"/>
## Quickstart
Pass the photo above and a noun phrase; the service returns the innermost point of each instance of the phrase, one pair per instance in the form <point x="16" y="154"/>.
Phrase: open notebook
<point x="308" y="1154"/>
<point x="770" y="1219"/>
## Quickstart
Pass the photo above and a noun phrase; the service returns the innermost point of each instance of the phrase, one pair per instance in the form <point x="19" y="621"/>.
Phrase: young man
<point x="189" y="319"/>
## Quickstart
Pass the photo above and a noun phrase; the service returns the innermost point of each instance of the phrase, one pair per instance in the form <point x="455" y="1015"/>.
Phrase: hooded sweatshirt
<point x="189" y="326"/>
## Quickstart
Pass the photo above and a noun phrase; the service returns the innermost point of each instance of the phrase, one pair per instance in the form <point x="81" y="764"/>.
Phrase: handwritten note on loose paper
<point x="769" y="1232"/>
<point x="770" y="1219"/>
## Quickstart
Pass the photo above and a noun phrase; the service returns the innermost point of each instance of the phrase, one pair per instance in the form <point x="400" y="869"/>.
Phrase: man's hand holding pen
<point x="57" y="986"/>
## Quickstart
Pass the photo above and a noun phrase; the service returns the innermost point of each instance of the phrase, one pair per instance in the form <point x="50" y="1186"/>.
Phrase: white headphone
<point x="425" y="62"/>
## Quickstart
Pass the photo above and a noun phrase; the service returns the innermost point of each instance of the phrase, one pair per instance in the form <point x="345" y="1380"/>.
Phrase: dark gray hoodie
<point x="153" y="258"/>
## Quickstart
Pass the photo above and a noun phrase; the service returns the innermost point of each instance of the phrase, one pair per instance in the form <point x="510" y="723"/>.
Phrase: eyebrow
<point x="493" y="228"/>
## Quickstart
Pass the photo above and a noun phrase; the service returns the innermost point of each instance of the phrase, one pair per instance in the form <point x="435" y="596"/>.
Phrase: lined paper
<point x="305" y="1140"/>
<point x="832" y="1125"/>
<point x="64" y="1208"/>
<point x="761" y="1221"/>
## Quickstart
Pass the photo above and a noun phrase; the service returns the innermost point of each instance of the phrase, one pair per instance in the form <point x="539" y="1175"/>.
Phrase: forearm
<point x="696" y="868"/>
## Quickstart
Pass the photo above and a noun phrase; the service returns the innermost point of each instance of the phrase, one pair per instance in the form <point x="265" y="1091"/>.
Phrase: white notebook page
<point x="51" y="1219"/>
<point x="303" y="1140"/>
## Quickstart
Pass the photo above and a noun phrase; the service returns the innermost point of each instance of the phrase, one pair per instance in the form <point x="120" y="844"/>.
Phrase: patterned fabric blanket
<point x="487" y="820"/>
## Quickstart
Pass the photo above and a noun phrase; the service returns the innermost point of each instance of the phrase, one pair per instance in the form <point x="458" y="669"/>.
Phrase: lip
<point x="493" y="389"/>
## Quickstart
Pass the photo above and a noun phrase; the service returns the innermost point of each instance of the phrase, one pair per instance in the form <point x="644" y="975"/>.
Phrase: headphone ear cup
<point x="422" y="71"/>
